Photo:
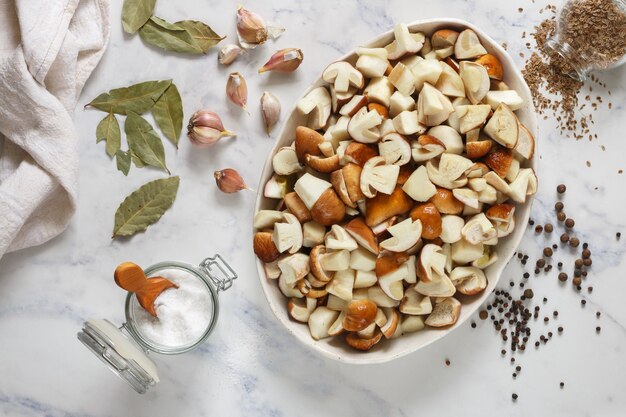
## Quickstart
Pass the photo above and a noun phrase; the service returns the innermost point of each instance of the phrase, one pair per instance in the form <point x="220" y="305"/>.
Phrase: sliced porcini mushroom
<point x="489" y="195"/>
<point x="315" y="264"/>
<point x="377" y="176"/>
<point x="359" y="315"/>
<point x="399" y="103"/>
<point x="430" y="218"/>
<point x="445" y="202"/>
<point x="336" y="328"/>
<point x="382" y="206"/>
<point x="403" y="79"/>
<point x="410" y="61"/>
<point x="364" y="126"/>
<point x="489" y="258"/>
<point x="355" y="104"/>
<point x="355" y="341"/>
<point x="342" y="284"/>
<point x="299" y="309"/>
<point x="391" y="324"/>
<point x="307" y="143"/>
<point x="473" y="135"/>
<point x="364" y="279"/>
<point x="338" y="100"/>
<point x="443" y="38"/>
<point x="338" y="238"/>
<point x="390" y="262"/>
<point x="478" y="229"/>
<point x="343" y="75"/>
<point x="514" y="168"/>
<point x="426" y="71"/>
<point x="319" y="197"/>
<point x="271" y="269"/>
<point x="478" y="149"/>
<point x="451" y="228"/>
<point x="362" y="234"/>
<point x="359" y="153"/>
<point x="426" y="147"/>
<point x="499" y="159"/>
<point x="346" y="182"/>
<point x="287" y="234"/>
<point x="450" y="82"/>
<point x="312" y="234"/>
<point x="288" y="289"/>
<point x="394" y="149"/>
<point x="497" y="182"/>
<point x="372" y="62"/>
<point x="450" y="138"/>
<point x="317" y="105"/>
<point x="325" y="165"/>
<point x="327" y="148"/>
<point x="502" y="216"/>
<point x="470" y="211"/>
<point x="391" y="283"/>
<point x="335" y="303"/>
<point x="492" y="64"/>
<point x="525" y="146"/>
<point x="418" y="186"/>
<point x="414" y="303"/>
<point x="468" y="45"/>
<point x="503" y="126"/>
<point x="335" y="261"/>
<point x="297" y="208"/>
<point x="404" y="42"/>
<point x="276" y="187"/>
<point x="381" y="318"/>
<point x="454" y="121"/>
<point x="410" y="324"/>
<point x="472" y="116"/>
<point x="433" y="108"/>
<point x="509" y="97"/>
<point x="362" y="259"/>
<point x="406" y="123"/>
<point x="448" y="171"/>
<point x="525" y="184"/>
<point x="463" y="252"/>
<point x="266" y="219"/>
<point x="285" y="161"/>
<point x="466" y="196"/>
<point x="439" y="286"/>
<point x="445" y="313"/>
<point x="468" y="280"/>
<point x="378" y="296"/>
<point x="430" y="263"/>
<point x="337" y="132"/>
<point x="264" y="247"/>
<point x="404" y="235"/>
<point x="379" y="90"/>
<point x="320" y="321"/>
<point x="294" y="267"/>
<point x="475" y="79"/>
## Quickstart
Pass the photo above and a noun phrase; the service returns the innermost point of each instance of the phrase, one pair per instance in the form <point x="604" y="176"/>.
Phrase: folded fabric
<point x="48" y="49"/>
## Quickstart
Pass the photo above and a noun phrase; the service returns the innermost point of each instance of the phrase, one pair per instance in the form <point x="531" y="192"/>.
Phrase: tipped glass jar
<point x="590" y="35"/>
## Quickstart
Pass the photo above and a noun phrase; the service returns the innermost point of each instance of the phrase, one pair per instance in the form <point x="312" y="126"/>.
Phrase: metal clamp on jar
<point x="125" y="349"/>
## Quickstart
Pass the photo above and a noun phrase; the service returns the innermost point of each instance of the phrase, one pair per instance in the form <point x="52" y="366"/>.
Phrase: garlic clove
<point x="205" y="128"/>
<point x="229" y="181"/>
<point x="285" y="60"/>
<point x="270" y="110"/>
<point x="251" y="28"/>
<point x="229" y="53"/>
<point x="237" y="90"/>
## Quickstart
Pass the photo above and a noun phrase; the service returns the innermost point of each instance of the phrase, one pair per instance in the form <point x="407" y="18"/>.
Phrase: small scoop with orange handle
<point x="131" y="277"/>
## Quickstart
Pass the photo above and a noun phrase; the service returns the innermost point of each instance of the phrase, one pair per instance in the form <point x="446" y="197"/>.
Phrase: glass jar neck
<point x="577" y="62"/>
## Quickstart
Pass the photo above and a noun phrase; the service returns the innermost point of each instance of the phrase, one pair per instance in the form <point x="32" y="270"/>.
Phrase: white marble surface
<point x="251" y="366"/>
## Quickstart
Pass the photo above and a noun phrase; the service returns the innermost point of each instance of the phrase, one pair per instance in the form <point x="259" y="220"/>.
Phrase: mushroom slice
<point x="359" y="153"/>
<point x="365" y="279"/>
<point x="264" y="247"/>
<point x="312" y="234"/>
<point x="403" y="79"/>
<point x="276" y="187"/>
<point x="489" y="195"/>
<point x="342" y="284"/>
<point x="389" y="262"/>
<point x="379" y="90"/>
<point x="426" y="71"/>
<point x="338" y="100"/>
<point x="287" y="235"/>
<point x="468" y="280"/>
<point x="362" y="260"/>
<point x="325" y="165"/>
<point x="499" y="160"/>
<point x="335" y="303"/>
<point x="395" y="149"/>
<point x="319" y="197"/>
<point x="501" y="213"/>
<point x="443" y="38"/>
<point x="450" y="138"/>
<point x="391" y="283"/>
<point x="477" y="170"/>
<point x="440" y="286"/>
<point x="492" y="64"/>
<point x="468" y="45"/>
<point x="315" y="264"/>
<point x="362" y="234"/>
<point x="449" y="82"/>
<point x="426" y="147"/>
<point x="472" y="116"/>
<point x="433" y="108"/>
<point x="285" y="161"/>
<point x="431" y="262"/>
<point x="297" y="208"/>
<point x="524" y="184"/>
<point x="503" y="126"/>
<point x="407" y="123"/>
<point x="372" y="62"/>
<point x="446" y="203"/>
<point x="294" y="267"/>
<point x="364" y="126"/>
<point x="489" y="257"/>
<point x="327" y="148"/>
<point x="404" y="43"/>
<point x="378" y="296"/>
<point x="448" y="171"/>
<point x="298" y="309"/>
<point x="466" y="196"/>
<point x="310" y="189"/>
<point x="353" y="340"/>
<point x="359" y="315"/>
<point x="343" y="75"/>
<point x="509" y="97"/>
<point x="391" y="324"/>
<point x="411" y="324"/>
<point x="266" y="219"/>
<point x="478" y="229"/>
<point x="288" y="290"/>
<point x="346" y="182"/>
<point x="320" y="321"/>
<point x="414" y="303"/>
<point x="475" y="79"/>
<point x="463" y="252"/>
<point x="445" y="313"/>
<point x="271" y="270"/>
<point x="317" y="105"/>
<point x="338" y="238"/>
<point x="399" y="103"/>
<point x="525" y="146"/>
<point x="418" y="186"/>
<point x="478" y="149"/>
<point x="430" y="218"/>
<point x="377" y="176"/>
<point x="353" y="106"/>
<point x="336" y="328"/>
<point x="307" y="143"/>
<point x="382" y="206"/>
<point x="451" y="228"/>
<point x="335" y="261"/>
<point x="497" y="182"/>
<point x="404" y="235"/>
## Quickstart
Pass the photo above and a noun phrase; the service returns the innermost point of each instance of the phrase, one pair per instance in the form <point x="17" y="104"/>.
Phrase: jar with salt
<point x="590" y="35"/>
<point x="174" y="314"/>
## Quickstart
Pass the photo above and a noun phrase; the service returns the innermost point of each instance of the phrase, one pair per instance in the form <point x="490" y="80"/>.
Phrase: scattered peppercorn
<point x="583" y="302"/>
<point x="548" y="228"/>
<point x="559" y="206"/>
<point x="541" y="263"/>
<point x="528" y="293"/>
<point x="562" y="277"/>
<point x="555" y="313"/>
<point x="514" y="396"/>
<point x="589" y="290"/>
<point x="447" y="362"/>
<point x="483" y="314"/>
<point x="562" y="384"/>
<point x="587" y="262"/>
<point x="577" y="281"/>
<point x="560" y="329"/>
<point x="538" y="228"/>
<point x="578" y="263"/>
<point x="473" y="325"/>
<point x="547" y="252"/>
<point x="569" y="223"/>
<point x="618" y="235"/>
<point x="574" y="242"/>
<point x="586" y="253"/>
<point x="598" y="328"/>
<point x="564" y="237"/>
<point x="561" y="216"/>
<point x="561" y="188"/>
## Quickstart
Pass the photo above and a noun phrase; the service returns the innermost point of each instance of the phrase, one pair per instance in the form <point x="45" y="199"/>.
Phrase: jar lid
<point x="121" y="355"/>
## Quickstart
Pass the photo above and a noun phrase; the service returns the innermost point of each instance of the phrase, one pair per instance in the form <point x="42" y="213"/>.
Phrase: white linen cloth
<point x="48" y="49"/>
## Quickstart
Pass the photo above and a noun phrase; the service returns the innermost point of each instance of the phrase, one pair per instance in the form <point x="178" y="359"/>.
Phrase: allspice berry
<point x="574" y="242"/>
<point x="561" y="216"/>
<point x="561" y="188"/>
<point x="569" y="223"/>
<point x="564" y="238"/>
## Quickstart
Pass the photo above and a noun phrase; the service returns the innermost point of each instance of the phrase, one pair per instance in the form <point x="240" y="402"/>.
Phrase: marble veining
<point x="251" y="365"/>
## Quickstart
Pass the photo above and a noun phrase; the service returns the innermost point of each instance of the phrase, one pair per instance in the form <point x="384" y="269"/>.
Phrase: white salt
<point x="183" y="313"/>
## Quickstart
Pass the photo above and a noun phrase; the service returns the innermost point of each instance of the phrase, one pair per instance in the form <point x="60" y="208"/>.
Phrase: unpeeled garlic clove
<point x="229" y="53"/>
<point x="251" y="28"/>
<point x="237" y="90"/>
<point x="205" y="128"/>
<point x="229" y="181"/>
<point x="285" y="60"/>
<point x="270" y="110"/>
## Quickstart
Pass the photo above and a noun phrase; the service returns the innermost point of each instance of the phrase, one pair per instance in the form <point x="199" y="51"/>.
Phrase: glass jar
<point x="125" y="349"/>
<point x="590" y="35"/>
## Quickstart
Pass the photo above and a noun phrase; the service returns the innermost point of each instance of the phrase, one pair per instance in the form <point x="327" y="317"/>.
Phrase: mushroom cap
<point x="296" y="207"/>
<point x="492" y="64"/>
<point x="430" y="218"/>
<point x="359" y="153"/>
<point x="353" y="340"/>
<point x="328" y="209"/>
<point x="499" y="159"/>
<point x="359" y="315"/>
<point x="315" y="261"/>
<point x="264" y="247"/>
<point x="307" y="143"/>
<point x="445" y="202"/>
<point x="364" y="236"/>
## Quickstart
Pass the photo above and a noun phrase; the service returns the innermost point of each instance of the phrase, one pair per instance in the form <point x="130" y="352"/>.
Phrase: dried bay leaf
<point x="144" y="142"/>
<point x="135" y="13"/>
<point x="137" y="98"/>
<point x="204" y="36"/>
<point x="109" y="130"/>
<point x="145" y="206"/>
<point x="168" y="113"/>
<point x="168" y="36"/>
<point x="122" y="160"/>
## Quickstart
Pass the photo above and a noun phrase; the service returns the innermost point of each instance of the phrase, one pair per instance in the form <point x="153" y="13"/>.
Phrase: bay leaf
<point x="204" y="36"/>
<point x="136" y="160"/>
<point x="122" y="160"/>
<point x="168" y="36"/>
<point x="145" y="206"/>
<point x="144" y="142"/>
<point x="135" y="13"/>
<point x="137" y="98"/>
<point x="168" y="113"/>
<point x="109" y="130"/>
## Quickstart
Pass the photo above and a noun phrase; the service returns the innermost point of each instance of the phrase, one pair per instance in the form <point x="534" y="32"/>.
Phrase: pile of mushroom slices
<point x="393" y="197"/>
